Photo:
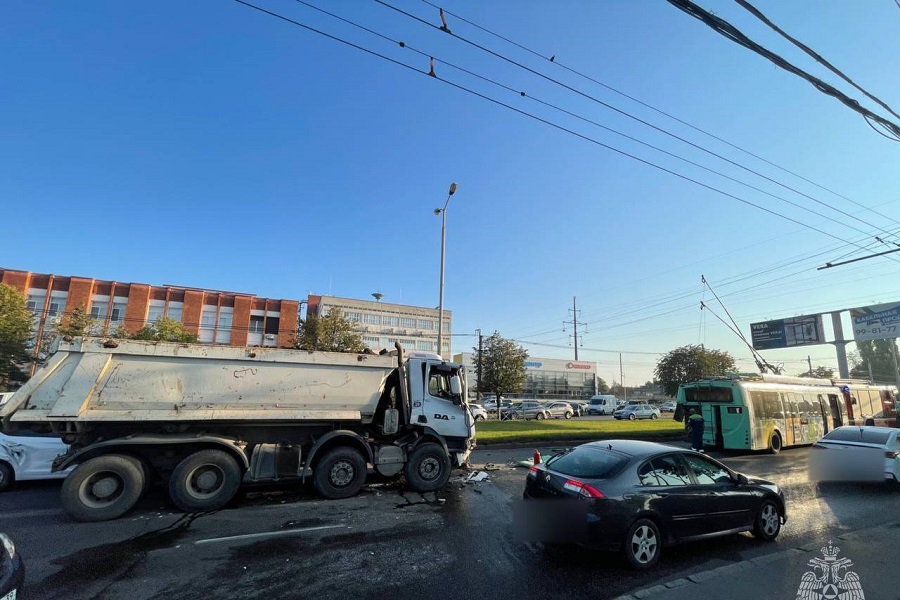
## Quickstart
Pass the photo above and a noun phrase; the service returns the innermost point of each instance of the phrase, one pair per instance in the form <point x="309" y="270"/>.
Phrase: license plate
<point x="10" y="596"/>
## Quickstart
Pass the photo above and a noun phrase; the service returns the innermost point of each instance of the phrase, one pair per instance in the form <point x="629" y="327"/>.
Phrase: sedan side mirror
<point x="741" y="479"/>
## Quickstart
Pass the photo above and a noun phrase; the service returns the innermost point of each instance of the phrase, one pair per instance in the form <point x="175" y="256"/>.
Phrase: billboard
<point x="786" y="333"/>
<point x="878" y="322"/>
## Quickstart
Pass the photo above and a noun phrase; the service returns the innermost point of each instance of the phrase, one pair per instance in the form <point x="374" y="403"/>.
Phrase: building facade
<point x="381" y="323"/>
<point x="216" y="317"/>
<point x="545" y="378"/>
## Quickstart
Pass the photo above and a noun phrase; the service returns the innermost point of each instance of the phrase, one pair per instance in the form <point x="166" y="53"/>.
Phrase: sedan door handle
<point x="663" y="494"/>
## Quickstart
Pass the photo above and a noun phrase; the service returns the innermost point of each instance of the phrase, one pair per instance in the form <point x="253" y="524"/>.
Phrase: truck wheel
<point x="341" y="473"/>
<point x="204" y="481"/>
<point x="428" y="468"/>
<point x="102" y="488"/>
<point x="6" y="476"/>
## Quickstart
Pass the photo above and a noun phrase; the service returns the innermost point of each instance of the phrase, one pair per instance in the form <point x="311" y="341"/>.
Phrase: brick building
<point x="216" y="317"/>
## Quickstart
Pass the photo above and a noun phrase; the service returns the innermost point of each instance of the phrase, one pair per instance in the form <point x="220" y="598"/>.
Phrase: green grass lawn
<point x="494" y="432"/>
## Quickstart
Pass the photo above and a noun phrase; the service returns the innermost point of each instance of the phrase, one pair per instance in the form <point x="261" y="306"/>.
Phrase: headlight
<point x="8" y="544"/>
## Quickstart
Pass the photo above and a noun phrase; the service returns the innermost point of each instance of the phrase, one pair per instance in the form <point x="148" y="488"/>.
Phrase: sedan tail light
<point x="583" y="489"/>
<point x="533" y="471"/>
<point x="891" y="454"/>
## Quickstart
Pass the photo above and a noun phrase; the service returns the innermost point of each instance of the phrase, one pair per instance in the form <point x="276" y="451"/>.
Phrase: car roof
<point x="632" y="447"/>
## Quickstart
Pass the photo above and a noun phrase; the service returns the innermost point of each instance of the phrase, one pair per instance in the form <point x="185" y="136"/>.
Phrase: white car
<point x="478" y="412"/>
<point x="856" y="453"/>
<point x="29" y="456"/>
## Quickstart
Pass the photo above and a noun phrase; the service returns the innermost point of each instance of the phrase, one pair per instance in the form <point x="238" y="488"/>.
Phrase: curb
<point x="700" y="577"/>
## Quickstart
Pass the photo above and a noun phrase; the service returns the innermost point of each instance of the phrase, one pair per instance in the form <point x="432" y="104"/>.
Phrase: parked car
<point x="28" y="456"/>
<point x="602" y="404"/>
<point x="639" y="497"/>
<point x="529" y="409"/>
<point x="490" y="402"/>
<point x="478" y="413"/>
<point x="668" y="406"/>
<point x="624" y="405"/>
<point x="559" y="410"/>
<point x="583" y="407"/>
<point x="637" y="411"/>
<point x="855" y="453"/>
<point x="12" y="569"/>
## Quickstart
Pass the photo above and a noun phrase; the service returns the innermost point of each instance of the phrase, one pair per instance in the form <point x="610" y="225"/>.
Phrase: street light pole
<point x="443" y="213"/>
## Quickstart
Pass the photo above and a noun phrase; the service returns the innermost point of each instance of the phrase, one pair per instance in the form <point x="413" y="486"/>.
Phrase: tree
<point x="15" y="331"/>
<point x="875" y="357"/>
<point x="331" y="333"/>
<point x="502" y="364"/>
<point x="819" y="373"/>
<point x="76" y="324"/>
<point x="690" y="363"/>
<point x="164" y="329"/>
<point x="602" y="386"/>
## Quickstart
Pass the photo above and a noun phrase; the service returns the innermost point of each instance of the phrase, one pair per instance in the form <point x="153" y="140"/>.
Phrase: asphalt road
<point x="387" y="542"/>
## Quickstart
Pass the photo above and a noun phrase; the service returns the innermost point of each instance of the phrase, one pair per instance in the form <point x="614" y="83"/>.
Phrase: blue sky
<point x="207" y="144"/>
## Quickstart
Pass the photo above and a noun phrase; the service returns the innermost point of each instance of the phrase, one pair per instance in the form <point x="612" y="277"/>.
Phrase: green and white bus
<point x="771" y="412"/>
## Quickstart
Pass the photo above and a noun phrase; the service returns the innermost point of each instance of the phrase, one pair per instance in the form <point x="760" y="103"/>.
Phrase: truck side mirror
<point x="455" y="385"/>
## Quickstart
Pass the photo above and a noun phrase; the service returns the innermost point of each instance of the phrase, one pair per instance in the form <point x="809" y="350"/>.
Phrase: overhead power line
<point x="520" y="93"/>
<point x="731" y="32"/>
<point x="759" y="15"/>
<point x="539" y="119"/>
<point x="561" y="64"/>
<point x="614" y="108"/>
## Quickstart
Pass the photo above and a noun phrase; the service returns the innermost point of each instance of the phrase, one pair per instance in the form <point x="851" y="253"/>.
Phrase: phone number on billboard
<point x="887" y="329"/>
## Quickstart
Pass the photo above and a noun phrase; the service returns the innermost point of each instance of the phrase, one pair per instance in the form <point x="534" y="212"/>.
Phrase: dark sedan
<point x="637" y="497"/>
<point x="12" y="570"/>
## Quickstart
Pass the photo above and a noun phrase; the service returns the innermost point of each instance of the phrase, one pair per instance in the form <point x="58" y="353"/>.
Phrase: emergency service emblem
<point x="830" y="579"/>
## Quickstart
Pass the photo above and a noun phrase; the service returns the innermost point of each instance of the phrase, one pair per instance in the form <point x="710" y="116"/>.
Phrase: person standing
<point x="695" y="428"/>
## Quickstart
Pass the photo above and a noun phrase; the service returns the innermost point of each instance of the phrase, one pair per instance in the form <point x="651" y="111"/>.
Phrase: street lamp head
<point x="437" y="211"/>
<point x="452" y="188"/>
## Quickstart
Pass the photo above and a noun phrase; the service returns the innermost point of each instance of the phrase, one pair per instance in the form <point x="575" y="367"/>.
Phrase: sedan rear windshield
<point x="853" y="434"/>
<point x="589" y="463"/>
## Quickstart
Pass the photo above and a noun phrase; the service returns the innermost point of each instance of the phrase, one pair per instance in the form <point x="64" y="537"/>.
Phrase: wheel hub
<point x="104" y="488"/>
<point x="342" y="473"/>
<point x="429" y="468"/>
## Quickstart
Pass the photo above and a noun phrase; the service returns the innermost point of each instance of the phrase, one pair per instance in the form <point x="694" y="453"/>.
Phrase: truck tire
<point x="204" y="481"/>
<point x="6" y="477"/>
<point x="428" y="468"/>
<point x="341" y="473"/>
<point x="103" y="488"/>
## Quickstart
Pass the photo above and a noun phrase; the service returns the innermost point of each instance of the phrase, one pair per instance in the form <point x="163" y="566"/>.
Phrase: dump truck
<point x="203" y="420"/>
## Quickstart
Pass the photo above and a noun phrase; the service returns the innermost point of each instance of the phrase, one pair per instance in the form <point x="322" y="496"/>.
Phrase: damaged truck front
<point x="203" y="420"/>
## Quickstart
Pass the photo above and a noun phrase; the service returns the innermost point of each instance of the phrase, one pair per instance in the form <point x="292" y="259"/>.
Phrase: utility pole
<point x="480" y="355"/>
<point x="575" y="323"/>
<point x="622" y="379"/>
<point x="809" y="361"/>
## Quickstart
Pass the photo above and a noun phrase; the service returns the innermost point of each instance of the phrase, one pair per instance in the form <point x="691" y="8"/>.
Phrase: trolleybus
<point x="771" y="412"/>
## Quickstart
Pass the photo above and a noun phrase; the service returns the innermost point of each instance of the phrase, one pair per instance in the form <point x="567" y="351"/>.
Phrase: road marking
<point x="25" y="514"/>
<point x="265" y="534"/>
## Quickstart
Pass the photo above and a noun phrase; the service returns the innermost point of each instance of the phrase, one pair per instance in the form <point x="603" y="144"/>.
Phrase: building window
<point x="174" y="311"/>
<point x="372" y="341"/>
<point x="154" y="314"/>
<point x="408" y="323"/>
<point x="272" y="325"/>
<point x="117" y="315"/>
<point x="353" y="317"/>
<point x="35" y="303"/>
<point x="256" y="324"/>
<point x="390" y="321"/>
<point x="426" y="324"/>
<point x="425" y="346"/>
<point x="370" y="319"/>
<point x="207" y="324"/>
<point x="98" y="310"/>
<point x="223" y="329"/>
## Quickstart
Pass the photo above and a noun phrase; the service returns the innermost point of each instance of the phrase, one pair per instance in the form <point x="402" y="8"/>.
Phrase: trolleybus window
<point x="707" y="394"/>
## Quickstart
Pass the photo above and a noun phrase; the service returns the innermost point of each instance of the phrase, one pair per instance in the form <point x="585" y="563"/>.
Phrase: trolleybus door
<point x="834" y="403"/>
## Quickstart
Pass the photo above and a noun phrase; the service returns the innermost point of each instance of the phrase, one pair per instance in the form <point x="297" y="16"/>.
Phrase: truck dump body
<point x="85" y="381"/>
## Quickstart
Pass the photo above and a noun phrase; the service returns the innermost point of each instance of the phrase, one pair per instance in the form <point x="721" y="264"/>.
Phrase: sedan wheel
<point x="631" y="417"/>
<point x="768" y="521"/>
<point x="642" y="544"/>
<point x="654" y="416"/>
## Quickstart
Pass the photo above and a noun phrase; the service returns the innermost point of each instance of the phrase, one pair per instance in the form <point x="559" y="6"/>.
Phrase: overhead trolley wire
<point x="732" y="33"/>
<point x="815" y="55"/>
<point x="618" y="110"/>
<point x="555" y="61"/>
<point x="585" y="119"/>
